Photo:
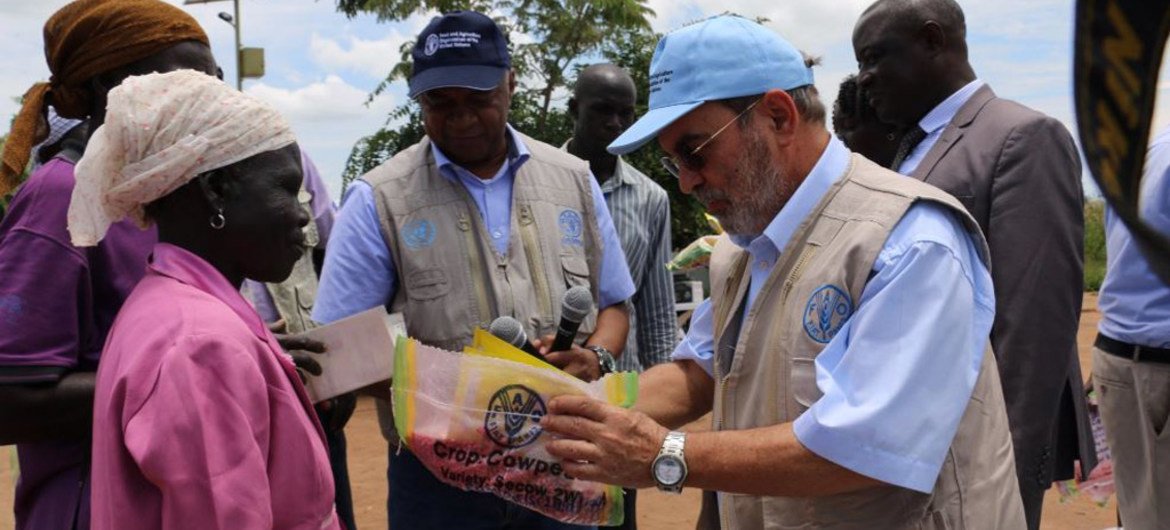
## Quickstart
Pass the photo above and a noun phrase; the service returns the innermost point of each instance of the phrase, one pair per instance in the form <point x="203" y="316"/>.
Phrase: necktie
<point x="910" y="140"/>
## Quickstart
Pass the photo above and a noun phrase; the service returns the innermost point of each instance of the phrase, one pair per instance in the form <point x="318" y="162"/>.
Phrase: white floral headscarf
<point x="161" y="131"/>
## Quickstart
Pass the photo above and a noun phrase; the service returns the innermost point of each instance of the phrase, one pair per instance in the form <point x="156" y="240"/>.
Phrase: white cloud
<point x="321" y="64"/>
<point x="374" y="58"/>
<point x="329" y="116"/>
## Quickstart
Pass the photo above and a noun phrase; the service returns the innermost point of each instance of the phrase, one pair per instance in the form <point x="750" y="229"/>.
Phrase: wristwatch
<point x="670" y="467"/>
<point x="604" y="359"/>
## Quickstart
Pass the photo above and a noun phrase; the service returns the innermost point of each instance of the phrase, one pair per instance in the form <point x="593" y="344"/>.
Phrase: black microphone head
<point x="510" y="330"/>
<point x="577" y="304"/>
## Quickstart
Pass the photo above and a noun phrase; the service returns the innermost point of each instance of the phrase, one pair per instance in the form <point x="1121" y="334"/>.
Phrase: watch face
<point x="668" y="470"/>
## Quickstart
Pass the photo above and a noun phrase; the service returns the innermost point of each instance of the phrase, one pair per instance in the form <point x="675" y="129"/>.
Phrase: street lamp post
<point x="234" y="20"/>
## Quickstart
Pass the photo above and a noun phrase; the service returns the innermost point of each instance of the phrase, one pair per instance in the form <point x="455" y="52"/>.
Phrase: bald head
<point x="912" y="15"/>
<point x="602" y="108"/>
<point x="911" y="55"/>
<point x="604" y="78"/>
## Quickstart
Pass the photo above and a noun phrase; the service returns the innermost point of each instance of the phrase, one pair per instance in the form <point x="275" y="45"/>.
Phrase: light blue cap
<point x="722" y="57"/>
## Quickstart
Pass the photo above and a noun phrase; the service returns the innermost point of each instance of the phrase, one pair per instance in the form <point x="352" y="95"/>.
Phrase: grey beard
<point x="758" y="193"/>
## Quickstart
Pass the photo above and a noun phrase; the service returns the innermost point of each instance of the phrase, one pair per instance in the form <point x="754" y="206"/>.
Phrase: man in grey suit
<point x="1018" y="173"/>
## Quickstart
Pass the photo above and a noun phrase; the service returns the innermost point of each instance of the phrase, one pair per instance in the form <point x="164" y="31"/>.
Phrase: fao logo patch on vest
<point x="419" y="233"/>
<point x="571" y="227"/>
<point x="513" y="418"/>
<point x="827" y="310"/>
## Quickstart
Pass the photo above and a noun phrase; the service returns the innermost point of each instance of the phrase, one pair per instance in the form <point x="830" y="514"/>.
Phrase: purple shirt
<point x="57" y="303"/>
<point x="200" y="420"/>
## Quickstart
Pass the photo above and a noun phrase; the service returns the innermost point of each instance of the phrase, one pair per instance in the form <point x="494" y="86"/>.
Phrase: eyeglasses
<point x="692" y="161"/>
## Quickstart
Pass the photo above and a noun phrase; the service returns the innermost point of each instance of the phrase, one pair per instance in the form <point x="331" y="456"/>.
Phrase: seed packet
<point x="473" y="419"/>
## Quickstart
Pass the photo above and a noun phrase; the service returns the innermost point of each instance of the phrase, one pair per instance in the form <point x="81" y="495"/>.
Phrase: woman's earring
<point x="218" y="220"/>
<point x="890" y="137"/>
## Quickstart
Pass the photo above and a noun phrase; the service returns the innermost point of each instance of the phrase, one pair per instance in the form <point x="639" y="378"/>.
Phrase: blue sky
<point x="321" y="65"/>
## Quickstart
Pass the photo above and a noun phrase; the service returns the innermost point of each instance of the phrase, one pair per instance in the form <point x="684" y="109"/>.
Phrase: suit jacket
<point x="1018" y="173"/>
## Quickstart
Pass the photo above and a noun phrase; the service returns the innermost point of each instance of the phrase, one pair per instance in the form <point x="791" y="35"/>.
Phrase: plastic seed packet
<point x="696" y="255"/>
<point x="473" y="419"/>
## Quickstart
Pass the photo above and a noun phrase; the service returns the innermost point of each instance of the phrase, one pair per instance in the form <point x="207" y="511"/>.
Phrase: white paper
<point x="360" y="352"/>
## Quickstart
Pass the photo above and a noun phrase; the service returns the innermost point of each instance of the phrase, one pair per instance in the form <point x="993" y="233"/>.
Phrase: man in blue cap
<point x="474" y="222"/>
<point x="843" y="352"/>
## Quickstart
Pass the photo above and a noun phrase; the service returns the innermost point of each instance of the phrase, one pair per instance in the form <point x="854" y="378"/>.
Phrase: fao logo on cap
<point x="432" y="45"/>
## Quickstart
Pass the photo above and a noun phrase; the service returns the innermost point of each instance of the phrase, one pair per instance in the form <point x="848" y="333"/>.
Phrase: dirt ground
<point x="656" y="511"/>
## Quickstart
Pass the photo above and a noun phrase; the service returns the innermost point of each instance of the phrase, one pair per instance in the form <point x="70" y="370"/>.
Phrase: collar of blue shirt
<point x="944" y="112"/>
<point x="829" y="168"/>
<point x="517" y="154"/>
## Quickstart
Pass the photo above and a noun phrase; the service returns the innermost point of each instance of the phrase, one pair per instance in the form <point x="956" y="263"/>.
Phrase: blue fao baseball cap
<point x="722" y="57"/>
<point x="461" y="49"/>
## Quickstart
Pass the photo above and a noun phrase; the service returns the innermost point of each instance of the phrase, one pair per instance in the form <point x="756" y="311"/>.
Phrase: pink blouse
<point x="200" y="420"/>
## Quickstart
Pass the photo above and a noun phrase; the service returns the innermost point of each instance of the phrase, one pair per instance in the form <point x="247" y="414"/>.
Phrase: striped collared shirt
<point x="640" y="210"/>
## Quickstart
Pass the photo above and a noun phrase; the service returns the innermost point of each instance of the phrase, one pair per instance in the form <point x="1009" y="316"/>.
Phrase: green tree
<point x="556" y="34"/>
<point x="633" y="51"/>
<point x="1094" y="244"/>
<point x="561" y="37"/>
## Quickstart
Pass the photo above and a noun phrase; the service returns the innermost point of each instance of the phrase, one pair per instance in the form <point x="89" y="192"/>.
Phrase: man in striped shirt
<point x="602" y="108"/>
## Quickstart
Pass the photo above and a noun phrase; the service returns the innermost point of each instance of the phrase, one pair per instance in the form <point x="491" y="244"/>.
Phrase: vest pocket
<point x="576" y="271"/>
<point x="427" y="285"/>
<point x="804" y="383"/>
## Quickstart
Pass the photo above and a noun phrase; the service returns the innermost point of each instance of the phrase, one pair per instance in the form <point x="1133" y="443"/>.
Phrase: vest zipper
<point x="535" y="259"/>
<point x="477" y="268"/>
<point x="801" y="262"/>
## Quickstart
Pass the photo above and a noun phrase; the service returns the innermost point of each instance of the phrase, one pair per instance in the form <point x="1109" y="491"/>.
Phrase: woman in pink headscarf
<point x="200" y="419"/>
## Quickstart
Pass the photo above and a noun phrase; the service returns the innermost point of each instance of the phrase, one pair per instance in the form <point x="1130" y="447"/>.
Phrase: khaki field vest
<point x="765" y="373"/>
<point x="450" y="278"/>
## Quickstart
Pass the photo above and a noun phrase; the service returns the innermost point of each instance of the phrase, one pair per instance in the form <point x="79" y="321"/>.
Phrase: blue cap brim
<point x="647" y="127"/>
<point x="474" y="77"/>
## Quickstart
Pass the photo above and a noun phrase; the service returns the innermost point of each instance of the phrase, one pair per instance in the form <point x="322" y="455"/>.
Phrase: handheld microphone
<point x="510" y="330"/>
<point x="576" y="306"/>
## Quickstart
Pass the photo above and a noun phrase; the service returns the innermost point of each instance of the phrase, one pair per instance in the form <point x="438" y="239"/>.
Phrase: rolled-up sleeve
<point x="699" y="344"/>
<point x="897" y="378"/>
<point x="616" y="284"/>
<point x="44" y="305"/>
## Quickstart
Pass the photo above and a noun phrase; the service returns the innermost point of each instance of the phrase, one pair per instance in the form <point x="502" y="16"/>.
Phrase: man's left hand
<point x="576" y="361"/>
<point x="602" y="442"/>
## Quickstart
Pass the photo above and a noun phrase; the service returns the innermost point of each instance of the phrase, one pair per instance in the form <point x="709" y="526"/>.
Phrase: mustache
<point x="707" y="195"/>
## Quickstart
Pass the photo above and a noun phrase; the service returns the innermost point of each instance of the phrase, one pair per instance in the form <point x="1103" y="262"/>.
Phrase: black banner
<point x="1119" y="46"/>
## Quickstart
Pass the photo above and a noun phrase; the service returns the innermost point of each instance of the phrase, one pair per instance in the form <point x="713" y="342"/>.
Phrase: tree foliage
<point x="558" y="38"/>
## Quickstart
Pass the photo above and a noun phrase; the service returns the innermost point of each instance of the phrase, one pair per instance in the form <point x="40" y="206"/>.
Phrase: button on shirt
<point x="935" y="122"/>
<point x="359" y="272"/>
<point x="891" y="401"/>
<point x="1134" y="302"/>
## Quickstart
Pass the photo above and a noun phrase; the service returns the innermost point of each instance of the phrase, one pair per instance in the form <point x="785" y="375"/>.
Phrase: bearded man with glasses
<point x="844" y="349"/>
